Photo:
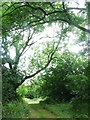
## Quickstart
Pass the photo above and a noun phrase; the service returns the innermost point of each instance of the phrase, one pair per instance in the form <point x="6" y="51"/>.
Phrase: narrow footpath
<point x="37" y="110"/>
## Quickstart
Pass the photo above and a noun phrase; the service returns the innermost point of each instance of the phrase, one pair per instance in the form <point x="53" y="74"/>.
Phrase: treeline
<point x="65" y="80"/>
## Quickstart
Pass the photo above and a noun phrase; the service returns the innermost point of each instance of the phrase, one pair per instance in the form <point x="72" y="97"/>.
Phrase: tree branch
<point x="66" y="12"/>
<point x="20" y="54"/>
<point x="39" y="21"/>
<point x="49" y="60"/>
<point x="9" y="7"/>
<point x="10" y="65"/>
<point x="66" y="21"/>
<point x="76" y="8"/>
<point x="28" y="47"/>
<point x="60" y="19"/>
<point x="26" y="44"/>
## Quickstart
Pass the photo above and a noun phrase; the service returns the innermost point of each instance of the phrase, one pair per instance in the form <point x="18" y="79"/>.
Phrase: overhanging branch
<point x="66" y="21"/>
<point x="75" y="8"/>
<point x="49" y="60"/>
<point x="18" y="55"/>
<point x="45" y="14"/>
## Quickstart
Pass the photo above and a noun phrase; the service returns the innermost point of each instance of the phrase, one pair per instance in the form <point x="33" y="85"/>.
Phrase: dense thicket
<point x="64" y="80"/>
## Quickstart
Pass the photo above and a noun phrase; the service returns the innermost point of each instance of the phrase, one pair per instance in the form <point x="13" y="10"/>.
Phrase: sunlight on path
<point x="37" y="111"/>
<point x="32" y="101"/>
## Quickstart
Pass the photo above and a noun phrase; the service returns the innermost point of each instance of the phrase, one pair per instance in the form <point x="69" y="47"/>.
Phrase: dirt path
<point x="37" y="111"/>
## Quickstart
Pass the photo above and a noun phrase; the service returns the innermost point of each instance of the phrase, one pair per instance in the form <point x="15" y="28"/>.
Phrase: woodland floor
<point x="63" y="110"/>
<point x="37" y="110"/>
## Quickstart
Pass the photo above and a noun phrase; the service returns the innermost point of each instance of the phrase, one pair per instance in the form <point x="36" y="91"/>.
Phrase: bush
<point x="9" y="85"/>
<point x="16" y="109"/>
<point x="63" y="80"/>
<point x="78" y="84"/>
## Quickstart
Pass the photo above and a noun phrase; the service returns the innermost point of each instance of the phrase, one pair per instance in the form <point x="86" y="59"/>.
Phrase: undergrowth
<point x="15" y="109"/>
<point x="66" y="110"/>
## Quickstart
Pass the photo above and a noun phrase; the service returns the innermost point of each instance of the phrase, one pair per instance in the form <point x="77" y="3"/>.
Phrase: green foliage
<point x="17" y="18"/>
<point x="22" y="90"/>
<point x="62" y="110"/>
<point x="16" y="109"/>
<point x="35" y="88"/>
<point x="18" y="42"/>
<point x="80" y="108"/>
<point x="25" y="15"/>
<point x="65" y="78"/>
<point x="10" y="82"/>
<point x="67" y="110"/>
<point x="78" y="84"/>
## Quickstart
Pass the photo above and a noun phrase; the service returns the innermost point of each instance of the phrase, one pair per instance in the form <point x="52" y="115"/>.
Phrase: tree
<point x="14" y="28"/>
<point x="47" y="13"/>
<point x="64" y="79"/>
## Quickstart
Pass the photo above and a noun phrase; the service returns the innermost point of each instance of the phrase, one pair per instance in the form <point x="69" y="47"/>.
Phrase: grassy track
<point x="62" y="110"/>
<point x="37" y="111"/>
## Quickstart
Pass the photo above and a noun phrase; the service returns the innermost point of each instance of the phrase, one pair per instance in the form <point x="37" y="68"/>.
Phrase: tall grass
<point x="60" y="110"/>
<point x="15" y="109"/>
<point x="66" y="110"/>
<point x="21" y="109"/>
